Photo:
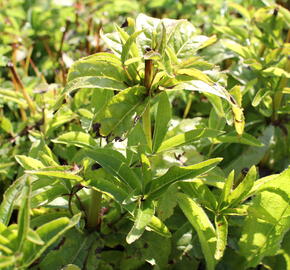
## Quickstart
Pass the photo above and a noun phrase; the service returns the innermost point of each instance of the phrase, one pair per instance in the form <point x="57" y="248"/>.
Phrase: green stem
<point x="147" y="126"/>
<point x="188" y="105"/>
<point x="146" y="116"/>
<point x="21" y="87"/>
<point x="93" y="219"/>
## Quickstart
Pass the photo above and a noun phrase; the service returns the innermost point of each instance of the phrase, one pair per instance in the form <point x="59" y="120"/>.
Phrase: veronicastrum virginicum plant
<point x="153" y="58"/>
<point x="149" y="62"/>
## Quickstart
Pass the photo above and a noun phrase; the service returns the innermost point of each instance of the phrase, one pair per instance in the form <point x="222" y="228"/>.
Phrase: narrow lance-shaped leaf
<point x="204" y="228"/>
<point x="76" y="138"/>
<point x="119" y="114"/>
<point x="29" y="163"/>
<point x="159" y="227"/>
<point x="117" y="167"/>
<point x="163" y="116"/>
<point x="146" y="170"/>
<point x="127" y="46"/>
<point x="243" y="189"/>
<point x="267" y="221"/>
<point x="239" y="119"/>
<point x="9" y="198"/>
<point x="175" y="174"/>
<point x="144" y="215"/>
<point x="23" y="214"/>
<point x="243" y="139"/>
<point x="226" y="190"/>
<point x="188" y="137"/>
<point x="221" y="225"/>
<point x="49" y="233"/>
<point x="94" y="82"/>
<point x="58" y="174"/>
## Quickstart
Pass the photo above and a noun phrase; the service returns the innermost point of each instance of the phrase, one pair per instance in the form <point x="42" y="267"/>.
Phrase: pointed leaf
<point x="49" y="233"/>
<point x="94" y="82"/>
<point x="221" y="225"/>
<point x="174" y="174"/>
<point x="55" y="173"/>
<point x="144" y="215"/>
<point x="242" y="190"/>
<point x="163" y="116"/>
<point x="226" y="190"/>
<point x="159" y="227"/>
<point x="9" y="198"/>
<point x="76" y="138"/>
<point x="267" y="221"/>
<point x="117" y="167"/>
<point x="188" y="137"/>
<point x="119" y="114"/>
<point x="23" y="218"/>
<point x="29" y="163"/>
<point x="204" y="228"/>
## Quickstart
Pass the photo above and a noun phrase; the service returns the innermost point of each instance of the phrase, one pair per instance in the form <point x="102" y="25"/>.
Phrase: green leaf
<point x="234" y="138"/>
<point x="119" y="114"/>
<point x="94" y="82"/>
<point x="143" y="217"/>
<point x="118" y="193"/>
<point x="237" y="48"/>
<point x="201" y="192"/>
<point x="13" y="96"/>
<point x="216" y="103"/>
<point x="49" y="233"/>
<point x="71" y="267"/>
<point x="174" y="174"/>
<point x="100" y="65"/>
<point x="58" y="174"/>
<point x="115" y="166"/>
<point x="9" y="199"/>
<point x="226" y="190"/>
<point x="73" y="250"/>
<point x="187" y="137"/>
<point x="239" y="119"/>
<point x="242" y="190"/>
<point x="29" y="163"/>
<point x="163" y="116"/>
<point x="23" y="214"/>
<point x="146" y="170"/>
<point x="267" y="221"/>
<point x="275" y="71"/>
<point x="127" y="46"/>
<point x="6" y="125"/>
<point x="221" y="225"/>
<point x="203" y="87"/>
<point x="167" y="203"/>
<point x="158" y="227"/>
<point x="33" y="237"/>
<point x="195" y="74"/>
<point x="204" y="228"/>
<point x="7" y="261"/>
<point x="76" y="138"/>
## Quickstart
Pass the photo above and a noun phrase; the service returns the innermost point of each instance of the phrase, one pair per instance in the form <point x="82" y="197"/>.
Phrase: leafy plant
<point x="122" y="155"/>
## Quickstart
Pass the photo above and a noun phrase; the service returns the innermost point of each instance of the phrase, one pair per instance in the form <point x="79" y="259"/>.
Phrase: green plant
<point x="121" y="164"/>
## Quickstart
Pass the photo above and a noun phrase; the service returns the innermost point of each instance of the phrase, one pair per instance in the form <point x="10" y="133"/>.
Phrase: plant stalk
<point x="22" y="88"/>
<point x="146" y="116"/>
<point x="94" y="212"/>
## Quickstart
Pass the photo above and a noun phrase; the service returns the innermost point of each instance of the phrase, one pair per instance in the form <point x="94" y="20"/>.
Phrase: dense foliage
<point x="133" y="141"/>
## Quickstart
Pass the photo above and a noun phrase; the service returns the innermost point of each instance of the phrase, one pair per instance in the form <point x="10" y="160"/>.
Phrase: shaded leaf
<point x="267" y="221"/>
<point x="204" y="228"/>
